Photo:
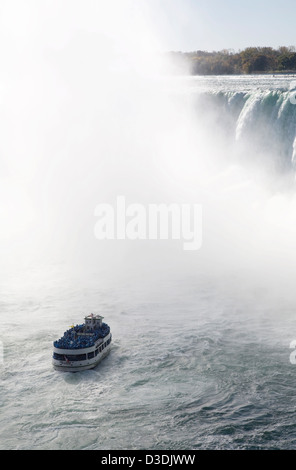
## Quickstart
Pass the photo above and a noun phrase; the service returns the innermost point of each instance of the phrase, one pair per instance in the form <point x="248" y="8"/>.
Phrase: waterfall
<point x="262" y="119"/>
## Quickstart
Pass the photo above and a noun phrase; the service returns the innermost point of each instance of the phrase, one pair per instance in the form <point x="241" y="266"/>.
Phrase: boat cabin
<point x="93" y="322"/>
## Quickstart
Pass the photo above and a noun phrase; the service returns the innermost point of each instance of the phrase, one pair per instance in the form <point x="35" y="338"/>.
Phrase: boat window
<point x="59" y="357"/>
<point x="91" y="355"/>
<point x="77" y="357"/>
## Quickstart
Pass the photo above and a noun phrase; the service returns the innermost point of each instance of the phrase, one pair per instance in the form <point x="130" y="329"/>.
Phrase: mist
<point x="88" y="113"/>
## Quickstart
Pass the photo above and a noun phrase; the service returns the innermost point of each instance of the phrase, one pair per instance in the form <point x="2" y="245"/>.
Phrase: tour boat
<point x="82" y="346"/>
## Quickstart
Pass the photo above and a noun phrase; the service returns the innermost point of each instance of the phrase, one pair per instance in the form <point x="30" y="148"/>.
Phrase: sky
<point x="166" y="24"/>
<point x="188" y="25"/>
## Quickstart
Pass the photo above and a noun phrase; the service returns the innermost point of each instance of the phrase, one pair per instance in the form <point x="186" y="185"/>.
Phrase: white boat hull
<point x="65" y="364"/>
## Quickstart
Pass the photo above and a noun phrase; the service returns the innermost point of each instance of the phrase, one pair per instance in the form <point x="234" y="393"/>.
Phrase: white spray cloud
<point x="86" y="117"/>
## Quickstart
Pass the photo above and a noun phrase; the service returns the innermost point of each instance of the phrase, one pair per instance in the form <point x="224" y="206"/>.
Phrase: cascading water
<point x="263" y="118"/>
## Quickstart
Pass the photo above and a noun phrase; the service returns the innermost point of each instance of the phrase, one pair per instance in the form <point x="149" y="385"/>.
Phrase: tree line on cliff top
<point x="228" y="62"/>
